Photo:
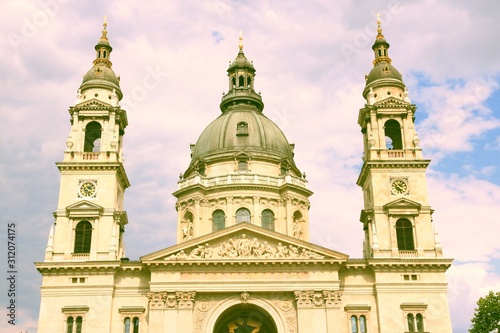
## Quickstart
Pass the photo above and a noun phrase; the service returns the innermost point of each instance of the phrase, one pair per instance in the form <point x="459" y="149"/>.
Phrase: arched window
<point x="83" y="237"/>
<point x="267" y="219"/>
<point x="420" y="322"/>
<point x="233" y="81"/>
<point x="411" y="322"/>
<point x="249" y="82"/>
<point x="362" y="324"/>
<point x="126" y="325"/>
<point x="354" y="324"/>
<point x="393" y="135"/>
<point x="92" y="137"/>
<point x="404" y="235"/>
<point x="218" y="220"/>
<point x="79" y="321"/>
<point x="135" y="322"/>
<point x="243" y="215"/>
<point x="69" y="325"/>
<point x="241" y="82"/>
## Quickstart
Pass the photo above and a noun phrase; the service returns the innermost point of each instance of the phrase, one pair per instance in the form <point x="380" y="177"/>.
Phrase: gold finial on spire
<point x="104" y="26"/>
<point x="241" y="41"/>
<point x="379" y="29"/>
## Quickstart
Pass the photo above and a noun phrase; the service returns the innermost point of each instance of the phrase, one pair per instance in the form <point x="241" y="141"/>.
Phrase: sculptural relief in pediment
<point x="245" y="247"/>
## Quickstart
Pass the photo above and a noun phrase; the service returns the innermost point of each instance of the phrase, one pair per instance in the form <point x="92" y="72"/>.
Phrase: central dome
<point x="243" y="129"/>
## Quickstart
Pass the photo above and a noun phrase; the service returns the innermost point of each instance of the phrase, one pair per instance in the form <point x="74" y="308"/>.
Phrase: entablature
<point x="385" y="164"/>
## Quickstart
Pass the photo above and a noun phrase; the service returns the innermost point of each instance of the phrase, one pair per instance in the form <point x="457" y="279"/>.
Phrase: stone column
<point x="185" y="320"/>
<point x="333" y="314"/>
<point x="304" y="310"/>
<point x="156" y="306"/>
<point x="170" y="313"/>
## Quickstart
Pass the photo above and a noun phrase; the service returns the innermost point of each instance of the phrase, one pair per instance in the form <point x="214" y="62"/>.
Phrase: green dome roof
<point x="242" y="129"/>
<point x="383" y="70"/>
<point x="101" y="77"/>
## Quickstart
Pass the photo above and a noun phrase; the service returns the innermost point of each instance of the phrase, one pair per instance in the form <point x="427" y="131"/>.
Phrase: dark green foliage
<point x="487" y="314"/>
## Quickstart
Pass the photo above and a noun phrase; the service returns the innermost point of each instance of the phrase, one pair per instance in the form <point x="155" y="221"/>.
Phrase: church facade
<point x="243" y="261"/>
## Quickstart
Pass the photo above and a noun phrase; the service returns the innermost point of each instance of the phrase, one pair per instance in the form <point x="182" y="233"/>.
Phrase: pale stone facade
<point x="243" y="261"/>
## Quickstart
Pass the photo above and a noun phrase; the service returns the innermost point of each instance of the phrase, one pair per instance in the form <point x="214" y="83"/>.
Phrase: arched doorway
<point x="245" y="318"/>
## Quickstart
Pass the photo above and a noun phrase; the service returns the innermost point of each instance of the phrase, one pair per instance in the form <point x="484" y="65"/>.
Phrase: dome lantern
<point x="241" y="74"/>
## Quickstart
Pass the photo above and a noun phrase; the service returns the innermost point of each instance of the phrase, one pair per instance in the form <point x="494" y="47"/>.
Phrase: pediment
<point x="93" y="104"/>
<point x="391" y="102"/>
<point x="403" y="204"/>
<point x="247" y="242"/>
<point x="84" y="208"/>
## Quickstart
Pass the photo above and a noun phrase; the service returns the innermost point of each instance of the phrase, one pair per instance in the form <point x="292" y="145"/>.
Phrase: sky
<point x="311" y="58"/>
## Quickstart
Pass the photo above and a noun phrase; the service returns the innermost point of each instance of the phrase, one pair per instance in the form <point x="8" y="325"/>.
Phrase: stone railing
<point x="103" y="156"/>
<point x="242" y="179"/>
<point x="80" y="256"/>
<point x="408" y="254"/>
<point x="396" y="154"/>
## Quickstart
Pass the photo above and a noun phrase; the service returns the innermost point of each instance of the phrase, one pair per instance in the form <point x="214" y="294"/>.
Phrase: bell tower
<point x="397" y="217"/>
<point x="89" y="219"/>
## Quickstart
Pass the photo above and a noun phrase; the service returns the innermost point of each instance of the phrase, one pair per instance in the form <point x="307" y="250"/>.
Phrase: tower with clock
<point x="90" y="220"/>
<point x="397" y="218"/>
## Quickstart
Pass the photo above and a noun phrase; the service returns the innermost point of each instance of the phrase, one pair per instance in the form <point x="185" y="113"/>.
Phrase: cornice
<point x="247" y="263"/>
<point x="398" y="264"/>
<point x="387" y="164"/>
<point x="204" y="190"/>
<point x="96" y="166"/>
<point x="88" y="267"/>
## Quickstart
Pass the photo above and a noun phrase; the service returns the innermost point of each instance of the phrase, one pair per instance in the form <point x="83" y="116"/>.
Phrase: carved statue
<point x="187" y="232"/>
<point x="297" y="230"/>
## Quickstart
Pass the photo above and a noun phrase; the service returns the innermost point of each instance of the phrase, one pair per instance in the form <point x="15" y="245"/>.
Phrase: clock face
<point x="87" y="189"/>
<point x="399" y="186"/>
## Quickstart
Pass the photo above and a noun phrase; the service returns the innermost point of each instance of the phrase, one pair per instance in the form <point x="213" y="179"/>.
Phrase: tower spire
<point x="101" y="76"/>
<point x="241" y="41"/>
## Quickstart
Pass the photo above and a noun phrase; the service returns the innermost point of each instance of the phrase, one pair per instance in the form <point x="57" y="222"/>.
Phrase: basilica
<point x="243" y="261"/>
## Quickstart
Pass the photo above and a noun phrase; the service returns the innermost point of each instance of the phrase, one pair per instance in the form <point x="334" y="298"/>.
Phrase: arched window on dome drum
<point x="393" y="135"/>
<point x="249" y="82"/>
<point x="243" y="215"/>
<point x="218" y="220"/>
<point x="267" y="219"/>
<point x="404" y="235"/>
<point x="233" y="81"/>
<point x="92" y="137"/>
<point x="241" y="81"/>
<point x="83" y="237"/>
